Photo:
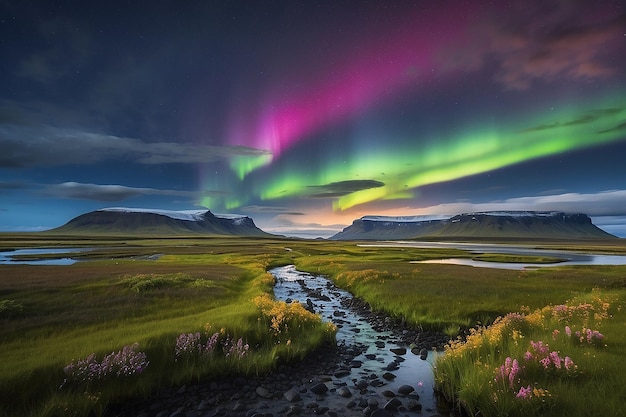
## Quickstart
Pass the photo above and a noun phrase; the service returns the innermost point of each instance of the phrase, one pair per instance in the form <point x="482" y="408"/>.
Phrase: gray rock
<point x="391" y="366"/>
<point x="319" y="388"/>
<point x="398" y="350"/>
<point x="388" y="394"/>
<point x="405" y="389"/>
<point x="292" y="395"/>
<point x="344" y="392"/>
<point x="423" y="354"/>
<point x="413" y="405"/>
<point x="393" y="404"/>
<point x="388" y="376"/>
<point x="361" y="384"/>
<point x="263" y="392"/>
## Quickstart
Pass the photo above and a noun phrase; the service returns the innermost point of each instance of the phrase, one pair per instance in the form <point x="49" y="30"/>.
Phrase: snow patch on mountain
<point x="405" y="219"/>
<point x="516" y="213"/>
<point x="187" y="215"/>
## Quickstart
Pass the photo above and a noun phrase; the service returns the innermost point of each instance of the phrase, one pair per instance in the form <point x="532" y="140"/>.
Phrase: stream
<point x="386" y="369"/>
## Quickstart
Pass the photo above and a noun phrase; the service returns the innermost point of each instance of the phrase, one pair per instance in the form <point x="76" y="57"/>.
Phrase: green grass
<point x="53" y="315"/>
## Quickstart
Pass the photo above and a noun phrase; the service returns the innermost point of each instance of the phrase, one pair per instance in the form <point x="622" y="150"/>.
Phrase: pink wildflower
<point x="528" y="356"/>
<point x="540" y="347"/>
<point x="555" y="333"/>
<point x="568" y="331"/>
<point x="556" y="359"/>
<point x="509" y="371"/>
<point x="525" y="392"/>
<point x="569" y="364"/>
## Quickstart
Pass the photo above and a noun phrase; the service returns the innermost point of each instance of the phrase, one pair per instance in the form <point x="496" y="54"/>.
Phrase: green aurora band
<point x="403" y="169"/>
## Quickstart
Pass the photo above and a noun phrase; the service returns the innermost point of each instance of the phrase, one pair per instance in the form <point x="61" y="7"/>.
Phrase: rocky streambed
<point x="378" y="368"/>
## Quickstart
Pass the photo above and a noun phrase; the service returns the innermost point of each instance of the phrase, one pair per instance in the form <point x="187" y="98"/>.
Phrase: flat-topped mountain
<point x="120" y="220"/>
<point x="494" y="224"/>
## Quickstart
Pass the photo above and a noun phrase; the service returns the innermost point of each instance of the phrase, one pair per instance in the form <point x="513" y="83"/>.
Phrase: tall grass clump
<point x="553" y="361"/>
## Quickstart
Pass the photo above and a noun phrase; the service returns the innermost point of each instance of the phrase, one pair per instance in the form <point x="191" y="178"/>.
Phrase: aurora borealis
<point x="307" y="115"/>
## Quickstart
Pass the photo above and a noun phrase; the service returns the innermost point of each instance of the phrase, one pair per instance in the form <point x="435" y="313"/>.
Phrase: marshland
<point x="133" y="317"/>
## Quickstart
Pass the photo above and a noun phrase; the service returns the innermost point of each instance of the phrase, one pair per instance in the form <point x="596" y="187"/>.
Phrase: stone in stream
<point x="361" y="384"/>
<point x="398" y="351"/>
<point x="263" y="392"/>
<point x="389" y="394"/>
<point x="292" y="395"/>
<point x="393" y="404"/>
<point x="423" y="354"/>
<point x="344" y="392"/>
<point x="391" y="366"/>
<point x="414" y="405"/>
<point x="319" y="388"/>
<point x="405" y="389"/>
<point x="388" y="376"/>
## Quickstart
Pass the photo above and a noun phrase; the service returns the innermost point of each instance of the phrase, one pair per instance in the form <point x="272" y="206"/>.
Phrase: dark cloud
<point x="544" y="41"/>
<point x="22" y="147"/>
<point x="341" y="188"/>
<point x="582" y="119"/>
<point x="12" y="185"/>
<point x="621" y="126"/>
<point x="271" y="210"/>
<point x="109" y="193"/>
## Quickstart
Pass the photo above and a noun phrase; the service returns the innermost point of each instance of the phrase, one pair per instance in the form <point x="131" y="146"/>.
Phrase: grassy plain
<point x="151" y="290"/>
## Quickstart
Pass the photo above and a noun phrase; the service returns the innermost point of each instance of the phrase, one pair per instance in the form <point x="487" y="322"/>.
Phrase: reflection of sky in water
<point x="569" y="258"/>
<point x="8" y="257"/>
<point x="592" y="260"/>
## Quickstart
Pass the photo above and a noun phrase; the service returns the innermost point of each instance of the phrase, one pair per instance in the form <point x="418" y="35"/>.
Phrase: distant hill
<point x="485" y="225"/>
<point x="121" y="220"/>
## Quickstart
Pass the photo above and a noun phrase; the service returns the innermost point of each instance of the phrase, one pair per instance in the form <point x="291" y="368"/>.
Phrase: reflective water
<point x="9" y="257"/>
<point x="354" y="330"/>
<point x="566" y="257"/>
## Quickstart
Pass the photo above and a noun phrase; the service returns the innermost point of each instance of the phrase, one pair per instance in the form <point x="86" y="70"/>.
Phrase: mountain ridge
<point x="480" y="225"/>
<point x="120" y="220"/>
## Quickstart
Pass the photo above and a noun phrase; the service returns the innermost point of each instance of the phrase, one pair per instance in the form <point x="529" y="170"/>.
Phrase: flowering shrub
<point x="190" y="345"/>
<point x="123" y="363"/>
<point x="513" y="387"/>
<point x="282" y="315"/>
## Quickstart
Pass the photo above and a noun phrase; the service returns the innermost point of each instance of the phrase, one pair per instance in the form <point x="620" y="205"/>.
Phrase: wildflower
<point x="555" y="359"/>
<point x="539" y="347"/>
<point x="509" y="371"/>
<point x="555" y="333"/>
<point x="568" y="331"/>
<point x="569" y="364"/>
<point x="125" y="362"/>
<point x="525" y="392"/>
<point x="187" y="344"/>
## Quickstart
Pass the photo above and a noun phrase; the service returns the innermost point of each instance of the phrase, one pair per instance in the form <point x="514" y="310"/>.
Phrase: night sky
<point x="306" y="115"/>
